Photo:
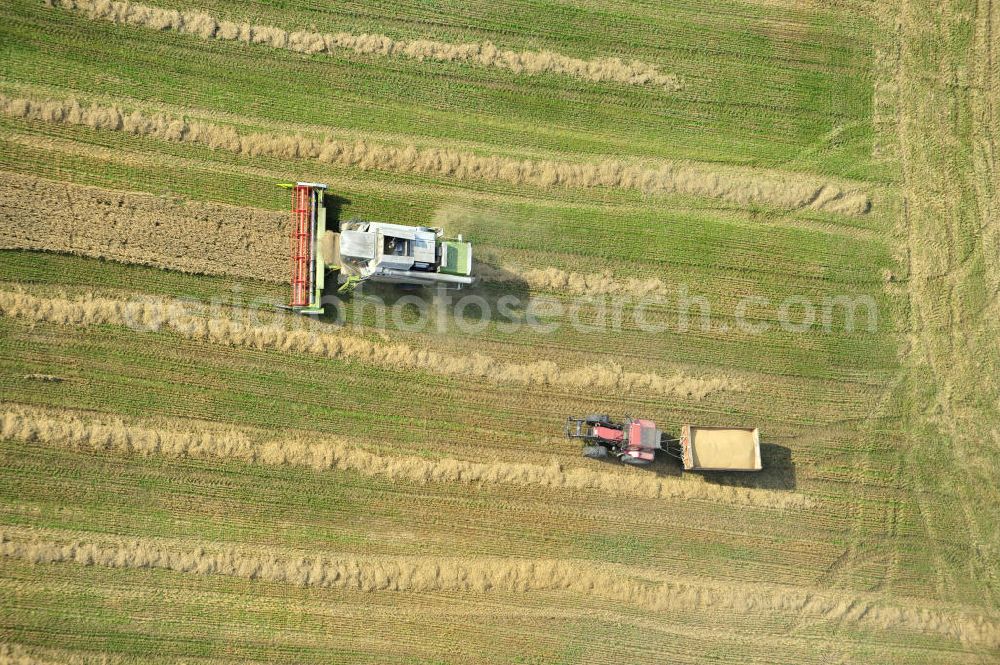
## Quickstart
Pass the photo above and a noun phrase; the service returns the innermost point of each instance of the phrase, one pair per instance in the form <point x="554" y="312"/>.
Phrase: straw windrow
<point x="779" y="190"/>
<point x="485" y="54"/>
<point x="174" y="316"/>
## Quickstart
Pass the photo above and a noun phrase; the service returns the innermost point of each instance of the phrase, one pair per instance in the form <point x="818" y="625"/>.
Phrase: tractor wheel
<point x="595" y="452"/>
<point x="632" y="461"/>
<point x="598" y="419"/>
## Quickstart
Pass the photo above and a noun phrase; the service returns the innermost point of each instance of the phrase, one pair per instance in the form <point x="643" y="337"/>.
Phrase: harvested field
<point x="485" y="54"/>
<point x="554" y="279"/>
<point x="415" y="574"/>
<point x="779" y="215"/>
<point x="192" y="236"/>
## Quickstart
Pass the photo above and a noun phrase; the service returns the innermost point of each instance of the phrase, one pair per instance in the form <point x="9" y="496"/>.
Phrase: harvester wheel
<point x="595" y="452"/>
<point x="625" y="459"/>
<point x="598" y="419"/>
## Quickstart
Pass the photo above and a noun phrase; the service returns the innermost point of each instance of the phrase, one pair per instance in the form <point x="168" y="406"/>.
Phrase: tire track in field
<point x="422" y="574"/>
<point x="952" y="232"/>
<point x="95" y="433"/>
<point x="779" y="190"/>
<point x="484" y="54"/>
<point x="176" y="316"/>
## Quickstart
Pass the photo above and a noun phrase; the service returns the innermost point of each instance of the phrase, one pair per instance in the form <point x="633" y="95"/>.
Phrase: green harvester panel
<point x="455" y="257"/>
<point x="320" y="275"/>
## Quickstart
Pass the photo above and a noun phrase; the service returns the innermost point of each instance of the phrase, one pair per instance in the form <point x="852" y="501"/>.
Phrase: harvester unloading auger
<point x="362" y="251"/>
<point x="636" y="441"/>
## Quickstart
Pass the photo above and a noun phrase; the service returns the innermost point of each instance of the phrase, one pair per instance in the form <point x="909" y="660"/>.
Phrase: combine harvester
<point x="376" y="251"/>
<point x="699" y="448"/>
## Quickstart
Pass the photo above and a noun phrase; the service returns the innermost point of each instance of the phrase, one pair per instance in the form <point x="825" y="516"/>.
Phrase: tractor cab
<point x="641" y="443"/>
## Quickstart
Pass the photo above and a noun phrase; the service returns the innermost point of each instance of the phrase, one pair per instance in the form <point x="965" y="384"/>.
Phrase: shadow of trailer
<point x="778" y="472"/>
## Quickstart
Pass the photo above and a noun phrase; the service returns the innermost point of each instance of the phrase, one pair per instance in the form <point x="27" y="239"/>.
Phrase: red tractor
<point x="699" y="447"/>
<point x="633" y="442"/>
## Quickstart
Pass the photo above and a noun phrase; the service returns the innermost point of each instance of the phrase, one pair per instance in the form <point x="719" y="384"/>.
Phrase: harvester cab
<point x="363" y="250"/>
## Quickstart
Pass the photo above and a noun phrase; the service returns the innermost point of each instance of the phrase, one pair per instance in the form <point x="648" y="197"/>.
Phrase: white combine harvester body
<point x="401" y="254"/>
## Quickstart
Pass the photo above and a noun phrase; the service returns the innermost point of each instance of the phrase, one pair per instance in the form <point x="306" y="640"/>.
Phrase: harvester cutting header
<point x="363" y="250"/>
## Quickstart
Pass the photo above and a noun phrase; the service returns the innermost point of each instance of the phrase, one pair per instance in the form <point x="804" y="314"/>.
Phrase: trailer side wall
<point x="722" y="448"/>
